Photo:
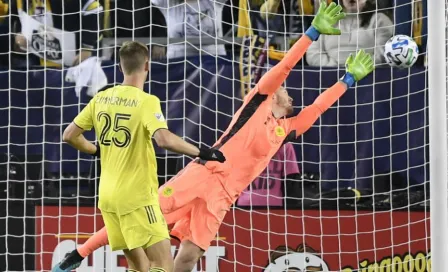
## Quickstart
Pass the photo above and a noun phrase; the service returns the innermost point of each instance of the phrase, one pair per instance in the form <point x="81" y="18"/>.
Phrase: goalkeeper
<point x="197" y="199"/>
<point x="125" y="118"/>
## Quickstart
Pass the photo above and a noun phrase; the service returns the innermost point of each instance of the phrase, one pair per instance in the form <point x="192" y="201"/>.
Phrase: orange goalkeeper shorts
<point x="195" y="202"/>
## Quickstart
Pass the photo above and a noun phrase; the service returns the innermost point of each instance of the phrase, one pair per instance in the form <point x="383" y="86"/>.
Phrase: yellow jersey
<point x="125" y="118"/>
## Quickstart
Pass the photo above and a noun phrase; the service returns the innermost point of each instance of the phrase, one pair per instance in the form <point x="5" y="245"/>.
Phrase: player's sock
<point x="157" y="269"/>
<point x="98" y="240"/>
<point x="133" y="270"/>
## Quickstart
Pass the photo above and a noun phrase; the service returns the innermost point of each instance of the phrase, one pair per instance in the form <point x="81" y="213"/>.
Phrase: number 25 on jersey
<point x="122" y="135"/>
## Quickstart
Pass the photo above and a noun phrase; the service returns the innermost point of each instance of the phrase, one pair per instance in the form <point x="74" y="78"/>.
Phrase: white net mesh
<point x="349" y="195"/>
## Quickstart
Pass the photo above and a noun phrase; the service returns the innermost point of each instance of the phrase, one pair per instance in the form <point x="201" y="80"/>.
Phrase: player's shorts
<point x="143" y="228"/>
<point x="195" y="202"/>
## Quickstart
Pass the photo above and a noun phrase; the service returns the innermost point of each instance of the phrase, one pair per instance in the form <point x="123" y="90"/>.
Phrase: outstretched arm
<point x="275" y="77"/>
<point x="155" y="123"/>
<point x="326" y="17"/>
<point x="357" y="69"/>
<point x="309" y="115"/>
<point x="170" y="141"/>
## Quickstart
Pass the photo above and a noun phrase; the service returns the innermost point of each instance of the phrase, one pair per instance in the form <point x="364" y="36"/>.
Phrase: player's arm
<point x="357" y="69"/>
<point x="326" y="17"/>
<point x="73" y="136"/>
<point x="73" y="133"/>
<point x="156" y="125"/>
<point x="309" y="115"/>
<point x="170" y="141"/>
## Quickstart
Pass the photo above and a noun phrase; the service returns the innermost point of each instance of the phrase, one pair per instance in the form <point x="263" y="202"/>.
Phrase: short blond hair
<point x="133" y="56"/>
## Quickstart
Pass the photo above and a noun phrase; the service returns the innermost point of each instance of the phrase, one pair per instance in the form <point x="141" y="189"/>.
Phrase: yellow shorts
<point x="141" y="228"/>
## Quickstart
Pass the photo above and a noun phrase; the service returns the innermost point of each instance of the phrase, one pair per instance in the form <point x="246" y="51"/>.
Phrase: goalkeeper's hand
<point x="327" y="16"/>
<point x="210" y="154"/>
<point x="357" y="67"/>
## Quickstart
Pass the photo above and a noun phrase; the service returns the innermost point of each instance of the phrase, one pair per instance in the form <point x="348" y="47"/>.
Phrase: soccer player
<point x="197" y="199"/>
<point x="125" y="118"/>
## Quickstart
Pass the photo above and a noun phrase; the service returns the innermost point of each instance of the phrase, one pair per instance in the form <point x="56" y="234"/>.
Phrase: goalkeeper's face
<point x="283" y="100"/>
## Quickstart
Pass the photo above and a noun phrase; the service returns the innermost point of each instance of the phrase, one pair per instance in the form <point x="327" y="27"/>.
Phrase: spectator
<point x="367" y="29"/>
<point x="192" y="18"/>
<point x="4" y="34"/>
<point x="4" y="8"/>
<point x="267" y="189"/>
<point x="69" y="30"/>
<point x="266" y="18"/>
<point x="138" y="18"/>
<point x="301" y="11"/>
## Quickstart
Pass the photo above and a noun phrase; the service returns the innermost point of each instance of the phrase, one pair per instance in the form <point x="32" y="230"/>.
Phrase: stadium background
<point x="383" y="122"/>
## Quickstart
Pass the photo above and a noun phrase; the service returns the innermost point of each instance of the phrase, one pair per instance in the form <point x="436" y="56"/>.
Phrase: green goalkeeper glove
<point x="358" y="67"/>
<point x="325" y="19"/>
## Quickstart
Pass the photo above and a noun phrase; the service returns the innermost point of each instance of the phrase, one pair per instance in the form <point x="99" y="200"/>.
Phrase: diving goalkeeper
<point x="197" y="199"/>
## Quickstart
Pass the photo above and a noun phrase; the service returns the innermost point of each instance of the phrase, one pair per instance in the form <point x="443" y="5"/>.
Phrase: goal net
<point x="351" y="194"/>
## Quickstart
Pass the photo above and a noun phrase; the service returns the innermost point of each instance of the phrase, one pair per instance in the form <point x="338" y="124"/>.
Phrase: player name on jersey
<point x="117" y="101"/>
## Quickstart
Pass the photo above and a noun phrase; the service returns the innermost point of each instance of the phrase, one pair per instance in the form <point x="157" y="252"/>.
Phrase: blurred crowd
<point x="72" y="31"/>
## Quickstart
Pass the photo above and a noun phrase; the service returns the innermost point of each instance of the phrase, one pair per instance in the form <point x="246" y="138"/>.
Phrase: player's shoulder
<point x="121" y="90"/>
<point x="105" y="90"/>
<point x="151" y="99"/>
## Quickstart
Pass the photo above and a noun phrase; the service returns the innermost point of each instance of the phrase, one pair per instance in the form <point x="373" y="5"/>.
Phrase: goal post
<point x="438" y="136"/>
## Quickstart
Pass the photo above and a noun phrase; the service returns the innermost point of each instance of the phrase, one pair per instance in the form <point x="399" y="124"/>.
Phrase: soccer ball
<point x="401" y="51"/>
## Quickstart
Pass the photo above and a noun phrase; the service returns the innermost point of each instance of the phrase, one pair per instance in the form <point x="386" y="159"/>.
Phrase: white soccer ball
<point x="401" y="51"/>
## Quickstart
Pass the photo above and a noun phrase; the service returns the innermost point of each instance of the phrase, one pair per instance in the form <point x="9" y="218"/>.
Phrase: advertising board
<point x="262" y="240"/>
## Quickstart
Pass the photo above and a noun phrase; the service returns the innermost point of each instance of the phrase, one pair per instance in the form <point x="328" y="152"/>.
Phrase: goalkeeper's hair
<point x="133" y="56"/>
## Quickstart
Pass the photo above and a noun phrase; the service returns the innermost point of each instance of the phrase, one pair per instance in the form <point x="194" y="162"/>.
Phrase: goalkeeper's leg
<point x="73" y="259"/>
<point x="188" y="257"/>
<point x="197" y="229"/>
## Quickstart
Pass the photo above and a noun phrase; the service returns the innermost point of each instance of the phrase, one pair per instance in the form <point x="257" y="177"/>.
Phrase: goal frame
<point x="438" y="170"/>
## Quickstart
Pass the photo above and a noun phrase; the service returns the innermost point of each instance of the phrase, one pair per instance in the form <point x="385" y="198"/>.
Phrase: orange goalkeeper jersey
<point x="254" y="134"/>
